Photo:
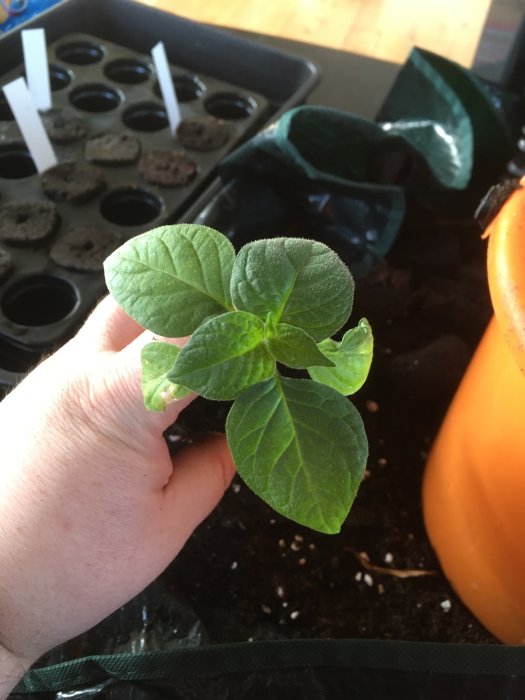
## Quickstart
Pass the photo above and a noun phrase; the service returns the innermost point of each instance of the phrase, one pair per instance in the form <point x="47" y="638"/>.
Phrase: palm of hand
<point x="93" y="508"/>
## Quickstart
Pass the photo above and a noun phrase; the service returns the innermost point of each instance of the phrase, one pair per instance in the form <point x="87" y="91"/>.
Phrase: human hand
<point x="92" y="508"/>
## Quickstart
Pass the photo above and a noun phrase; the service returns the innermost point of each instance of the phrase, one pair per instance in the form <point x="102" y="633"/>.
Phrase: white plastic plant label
<point x="37" y="71"/>
<point x="167" y="88"/>
<point x="30" y="124"/>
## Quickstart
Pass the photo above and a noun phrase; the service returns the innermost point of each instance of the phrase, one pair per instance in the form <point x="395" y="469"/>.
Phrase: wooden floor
<point x="385" y="29"/>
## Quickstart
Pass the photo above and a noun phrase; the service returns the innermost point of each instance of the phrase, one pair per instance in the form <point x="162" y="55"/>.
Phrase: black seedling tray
<point x="101" y="71"/>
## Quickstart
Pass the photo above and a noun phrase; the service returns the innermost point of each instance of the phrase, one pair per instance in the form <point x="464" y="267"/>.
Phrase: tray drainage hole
<point x="187" y="87"/>
<point x="95" y="97"/>
<point x="59" y="78"/>
<point x="146" y="116"/>
<point x="228" y="105"/>
<point x="16" y="162"/>
<point x="5" y="110"/>
<point x="39" y="301"/>
<point x="80" y="53"/>
<point x="128" y="71"/>
<point x="130" y="206"/>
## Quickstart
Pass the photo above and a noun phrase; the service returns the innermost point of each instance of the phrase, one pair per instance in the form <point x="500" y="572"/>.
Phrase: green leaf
<point x="352" y="358"/>
<point x="224" y="356"/>
<point x="172" y="278"/>
<point x="301" y="446"/>
<point x="300" y="282"/>
<point x="157" y="360"/>
<point x="294" y="348"/>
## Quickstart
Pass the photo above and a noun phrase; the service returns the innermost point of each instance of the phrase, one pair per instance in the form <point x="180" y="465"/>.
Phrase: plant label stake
<point x="30" y="124"/>
<point x="37" y="72"/>
<point x="166" y="86"/>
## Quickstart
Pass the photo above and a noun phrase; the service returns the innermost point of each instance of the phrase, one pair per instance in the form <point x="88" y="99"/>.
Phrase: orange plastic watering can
<point x="474" y="483"/>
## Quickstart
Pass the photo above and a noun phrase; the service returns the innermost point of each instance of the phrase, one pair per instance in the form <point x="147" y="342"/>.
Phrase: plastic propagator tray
<point x="116" y="153"/>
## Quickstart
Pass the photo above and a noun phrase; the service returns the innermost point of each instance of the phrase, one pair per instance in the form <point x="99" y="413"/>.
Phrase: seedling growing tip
<point x="298" y="443"/>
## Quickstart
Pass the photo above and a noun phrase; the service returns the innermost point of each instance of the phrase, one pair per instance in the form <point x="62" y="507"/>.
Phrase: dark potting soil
<point x="27" y="222"/>
<point x="84" y="248"/>
<point x="64" y="126"/>
<point x="167" y="168"/>
<point x="202" y="133"/>
<point x="112" y="149"/>
<point x="248" y="573"/>
<point x="73" y="181"/>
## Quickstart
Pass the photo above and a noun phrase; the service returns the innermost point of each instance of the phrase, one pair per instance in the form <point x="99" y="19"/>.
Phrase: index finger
<point x="109" y="328"/>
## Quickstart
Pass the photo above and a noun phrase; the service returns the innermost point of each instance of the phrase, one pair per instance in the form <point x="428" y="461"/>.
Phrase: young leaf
<point x="157" y="360"/>
<point x="224" y="356"/>
<point x="352" y="358"/>
<point x="301" y="446"/>
<point x="300" y="282"/>
<point x="173" y="278"/>
<point x="294" y="348"/>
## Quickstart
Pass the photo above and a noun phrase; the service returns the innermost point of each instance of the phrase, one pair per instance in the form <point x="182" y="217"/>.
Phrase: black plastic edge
<point x="279" y="76"/>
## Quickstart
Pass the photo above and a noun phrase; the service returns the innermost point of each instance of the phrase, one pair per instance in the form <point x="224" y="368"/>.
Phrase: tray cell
<point x="15" y="162"/>
<point x="39" y="300"/>
<point x="128" y="71"/>
<point x="131" y="206"/>
<point x="146" y="116"/>
<point x="230" y="106"/>
<point x="80" y="53"/>
<point x="95" y="97"/>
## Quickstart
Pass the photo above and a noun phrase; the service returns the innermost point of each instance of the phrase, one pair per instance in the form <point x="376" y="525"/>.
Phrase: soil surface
<point x="251" y="574"/>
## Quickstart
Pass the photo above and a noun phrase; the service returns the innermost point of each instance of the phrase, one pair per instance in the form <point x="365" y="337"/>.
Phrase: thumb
<point x="201" y="474"/>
